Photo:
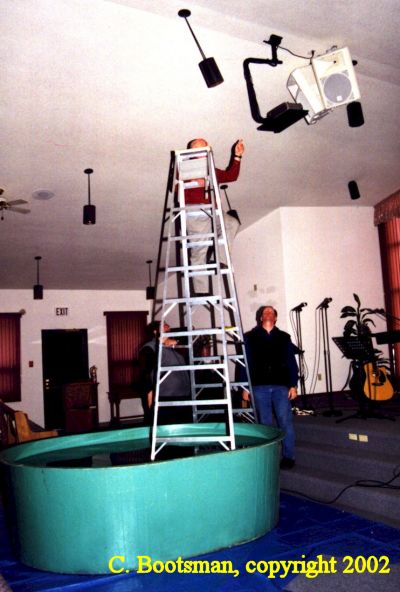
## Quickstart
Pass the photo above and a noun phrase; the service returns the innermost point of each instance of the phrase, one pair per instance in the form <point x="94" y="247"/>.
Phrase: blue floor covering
<point x="305" y="531"/>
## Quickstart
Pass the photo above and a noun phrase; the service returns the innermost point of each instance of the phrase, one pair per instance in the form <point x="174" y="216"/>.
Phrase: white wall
<point x="85" y="311"/>
<point x="293" y="255"/>
<point x="299" y="255"/>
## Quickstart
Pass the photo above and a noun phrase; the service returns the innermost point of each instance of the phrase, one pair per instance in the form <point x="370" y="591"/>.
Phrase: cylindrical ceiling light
<point x="89" y="211"/>
<point x="37" y="288"/>
<point x="208" y="66"/>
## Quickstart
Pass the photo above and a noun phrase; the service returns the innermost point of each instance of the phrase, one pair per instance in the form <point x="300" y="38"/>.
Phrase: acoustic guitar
<point x="377" y="385"/>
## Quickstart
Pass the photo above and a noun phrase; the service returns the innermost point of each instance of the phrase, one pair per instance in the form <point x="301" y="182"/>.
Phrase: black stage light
<point x="282" y="117"/>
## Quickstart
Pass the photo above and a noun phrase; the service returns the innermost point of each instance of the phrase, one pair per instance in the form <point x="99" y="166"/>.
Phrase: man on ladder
<point x="200" y="222"/>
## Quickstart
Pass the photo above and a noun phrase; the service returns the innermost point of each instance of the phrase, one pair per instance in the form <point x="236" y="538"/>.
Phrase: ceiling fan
<point x="10" y="205"/>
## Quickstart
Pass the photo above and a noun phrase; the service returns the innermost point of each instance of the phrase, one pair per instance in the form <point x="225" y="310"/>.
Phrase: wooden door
<point x="65" y="360"/>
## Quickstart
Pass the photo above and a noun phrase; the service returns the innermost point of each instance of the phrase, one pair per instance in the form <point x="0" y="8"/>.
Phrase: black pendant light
<point x="208" y="66"/>
<point x="37" y="288"/>
<point x="89" y="211"/>
<point x="230" y="212"/>
<point x="150" y="290"/>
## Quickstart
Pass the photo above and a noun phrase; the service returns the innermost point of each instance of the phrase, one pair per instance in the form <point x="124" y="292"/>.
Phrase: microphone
<point x="299" y="307"/>
<point x="324" y="303"/>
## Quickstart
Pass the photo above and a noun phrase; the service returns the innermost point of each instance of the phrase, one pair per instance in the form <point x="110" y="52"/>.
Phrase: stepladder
<point x="201" y="367"/>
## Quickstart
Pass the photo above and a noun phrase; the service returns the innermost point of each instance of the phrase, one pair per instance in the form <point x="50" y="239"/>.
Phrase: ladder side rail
<point x="187" y="316"/>
<point x="160" y="346"/>
<point x="232" y="288"/>
<point x="218" y="217"/>
<point x="165" y="220"/>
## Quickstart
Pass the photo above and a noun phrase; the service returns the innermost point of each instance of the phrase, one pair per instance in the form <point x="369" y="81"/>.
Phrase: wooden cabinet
<point x="80" y="405"/>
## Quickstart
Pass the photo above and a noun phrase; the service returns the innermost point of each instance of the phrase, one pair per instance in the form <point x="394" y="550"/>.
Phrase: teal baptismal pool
<point x="79" y="502"/>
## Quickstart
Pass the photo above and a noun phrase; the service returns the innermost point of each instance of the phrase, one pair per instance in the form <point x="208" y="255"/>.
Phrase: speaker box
<point x="335" y="78"/>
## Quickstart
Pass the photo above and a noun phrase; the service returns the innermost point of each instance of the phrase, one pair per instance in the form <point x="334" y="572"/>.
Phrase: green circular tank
<point x="94" y="503"/>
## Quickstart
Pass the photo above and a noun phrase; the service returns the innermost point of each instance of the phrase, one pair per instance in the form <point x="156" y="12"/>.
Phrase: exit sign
<point x="61" y="311"/>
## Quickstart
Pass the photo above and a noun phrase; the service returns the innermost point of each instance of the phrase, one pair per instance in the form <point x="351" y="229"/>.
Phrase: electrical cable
<point x="297" y="55"/>
<point x="358" y="483"/>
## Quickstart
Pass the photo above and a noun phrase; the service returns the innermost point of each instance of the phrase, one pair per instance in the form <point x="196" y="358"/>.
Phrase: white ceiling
<point x="115" y="86"/>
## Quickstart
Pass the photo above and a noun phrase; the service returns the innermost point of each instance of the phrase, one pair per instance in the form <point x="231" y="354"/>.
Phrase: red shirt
<point x="197" y="195"/>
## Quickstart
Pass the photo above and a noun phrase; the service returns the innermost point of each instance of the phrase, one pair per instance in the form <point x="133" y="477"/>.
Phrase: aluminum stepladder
<point x="215" y="315"/>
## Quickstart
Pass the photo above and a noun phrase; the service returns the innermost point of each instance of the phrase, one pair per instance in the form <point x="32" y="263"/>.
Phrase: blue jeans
<point x="270" y="398"/>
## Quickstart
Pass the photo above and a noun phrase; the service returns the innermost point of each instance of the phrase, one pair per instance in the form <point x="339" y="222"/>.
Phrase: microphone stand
<point x="323" y="310"/>
<point x="297" y="323"/>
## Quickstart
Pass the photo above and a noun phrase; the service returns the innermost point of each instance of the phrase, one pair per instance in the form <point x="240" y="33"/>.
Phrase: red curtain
<point x="10" y="357"/>
<point x="125" y="335"/>
<point x="389" y="238"/>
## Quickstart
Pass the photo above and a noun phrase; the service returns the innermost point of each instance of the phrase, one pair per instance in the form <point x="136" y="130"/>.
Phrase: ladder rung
<point x="220" y="384"/>
<point x="209" y="438"/>
<point x="192" y="208"/>
<point x="193" y="300"/>
<point x="237" y="411"/>
<point x="193" y="268"/>
<point x="191" y="403"/>
<point x="191" y="367"/>
<point x="192" y="237"/>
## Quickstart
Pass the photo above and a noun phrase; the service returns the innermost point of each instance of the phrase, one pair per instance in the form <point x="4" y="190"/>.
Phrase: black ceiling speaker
<point x="37" y="288"/>
<point x="208" y="66"/>
<point x="89" y="211"/>
<point x="353" y="190"/>
<point x="150" y="290"/>
<point x="355" y="114"/>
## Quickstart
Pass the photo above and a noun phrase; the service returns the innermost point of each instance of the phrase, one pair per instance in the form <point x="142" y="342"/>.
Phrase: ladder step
<point x="192" y="208"/>
<point x="193" y="268"/>
<point x="195" y="403"/>
<point x="192" y="367"/>
<point x="195" y="439"/>
<point x="192" y="237"/>
<point x="221" y="384"/>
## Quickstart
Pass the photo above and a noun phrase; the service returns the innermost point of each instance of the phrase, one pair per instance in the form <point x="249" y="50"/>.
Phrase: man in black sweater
<point x="274" y="376"/>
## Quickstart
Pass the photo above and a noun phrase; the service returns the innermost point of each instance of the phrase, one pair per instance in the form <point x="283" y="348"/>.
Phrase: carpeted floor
<point x="316" y="536"/>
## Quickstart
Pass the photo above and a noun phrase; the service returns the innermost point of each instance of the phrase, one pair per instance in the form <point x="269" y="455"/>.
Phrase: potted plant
<point x="359" y="323"/>
<point x="377" y="385"/>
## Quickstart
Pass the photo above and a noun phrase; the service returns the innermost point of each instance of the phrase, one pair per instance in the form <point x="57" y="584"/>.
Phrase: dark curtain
<point x="125" y="335"/>
<point x="10" y="357"/>
<point x="389" y="239"/>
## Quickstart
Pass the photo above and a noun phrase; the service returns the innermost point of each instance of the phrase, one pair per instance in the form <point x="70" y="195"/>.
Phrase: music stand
<point x="360" y="351"/>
